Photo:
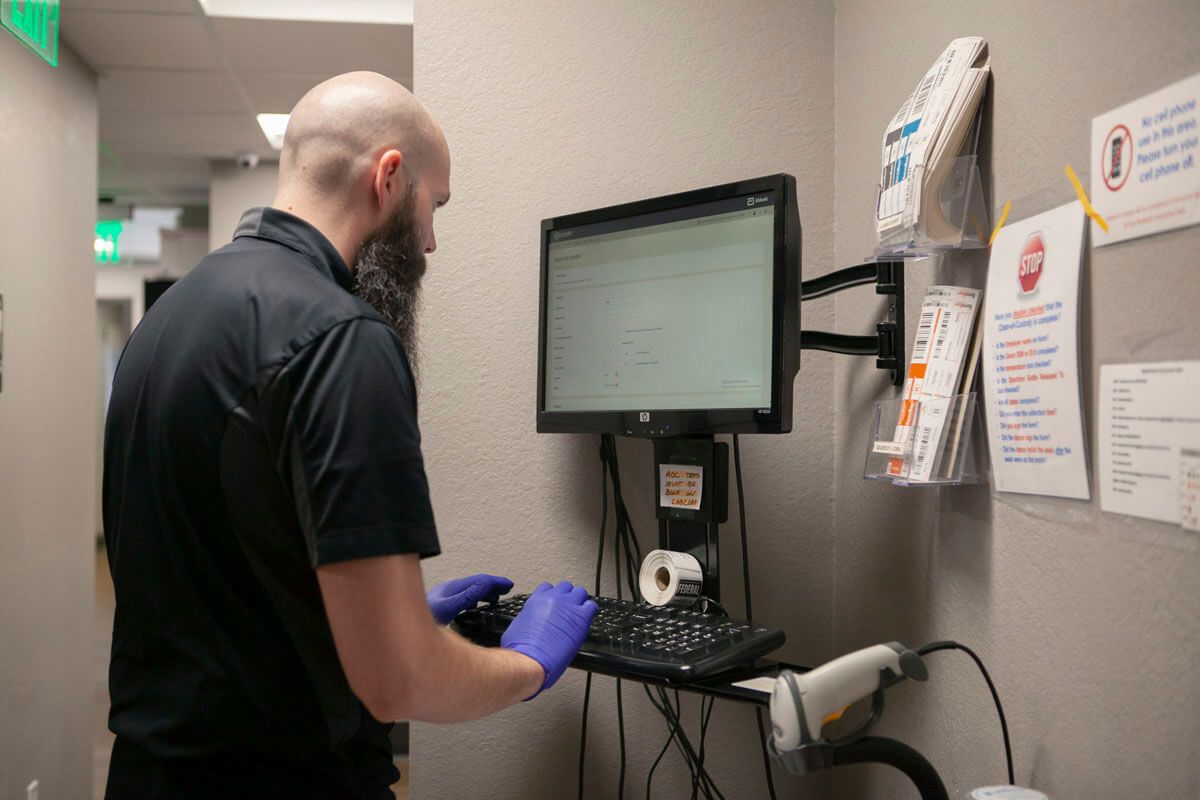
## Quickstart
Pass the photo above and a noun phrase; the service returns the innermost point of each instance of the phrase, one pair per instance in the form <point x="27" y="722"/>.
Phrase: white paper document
<point x="1189" y="490"/>
<point x="935" y="376"/>
<point x="1031" y="356"/>
<point x="1144" y="173"/>
<point x="1149" y="415"/>
<point x="926" y="135"/>
<point x="762" y="684"/>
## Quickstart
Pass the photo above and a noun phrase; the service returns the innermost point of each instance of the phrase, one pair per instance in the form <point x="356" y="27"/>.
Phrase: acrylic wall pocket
<point x="930" y="194"/>
<point x="935" y="442"/>
<point x="953" y="215"/>
<point x="936" y="414"/>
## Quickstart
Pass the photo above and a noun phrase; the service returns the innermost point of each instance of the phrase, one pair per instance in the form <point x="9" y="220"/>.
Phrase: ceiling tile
<point x="164" y="41"/>
<point x="164" y="90"/>
<point x="119" y="160"/>
<point x="316" y="47"/>
<point x="168" y="104"/>
<point x="218" y="135"/>
<point x="277" y="92"/>
<point x="149" y="6"/>
<point x="373" y="12"/>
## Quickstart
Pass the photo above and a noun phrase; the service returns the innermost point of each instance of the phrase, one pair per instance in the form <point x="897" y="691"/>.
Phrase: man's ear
<point x="389" y="177"/>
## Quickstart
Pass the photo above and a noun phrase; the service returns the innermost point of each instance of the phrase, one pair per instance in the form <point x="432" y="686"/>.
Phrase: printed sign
<point x="1144" y="174"/>
<point x="1148" y="418"/>
<point x="35" y="24"/>
<point x="680" y="486"/>
<point x="1030" y="356"/>
<point x="1033" y="256"/>
<point x="1189" y="484"/>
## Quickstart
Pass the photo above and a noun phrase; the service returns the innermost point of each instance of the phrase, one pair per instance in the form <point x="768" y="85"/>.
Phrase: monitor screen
<point x="663" y="309"/>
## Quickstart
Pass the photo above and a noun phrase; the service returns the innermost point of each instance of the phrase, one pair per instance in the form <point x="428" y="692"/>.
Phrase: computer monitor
<point x="674" y="316"/>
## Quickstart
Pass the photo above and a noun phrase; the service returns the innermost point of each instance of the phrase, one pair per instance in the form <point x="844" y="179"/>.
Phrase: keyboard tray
<point x="629" y="638"/>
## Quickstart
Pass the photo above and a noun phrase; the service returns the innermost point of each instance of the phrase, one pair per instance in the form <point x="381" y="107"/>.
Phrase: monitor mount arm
<point x="887" y="345"/>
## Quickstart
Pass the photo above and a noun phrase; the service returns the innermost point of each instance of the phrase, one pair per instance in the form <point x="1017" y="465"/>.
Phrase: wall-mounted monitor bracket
<point x="887" y="345"/>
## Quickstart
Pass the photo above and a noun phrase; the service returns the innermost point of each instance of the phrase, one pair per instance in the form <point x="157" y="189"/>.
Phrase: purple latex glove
<point x="447" y="600"/>
<point x="551" y="628"/>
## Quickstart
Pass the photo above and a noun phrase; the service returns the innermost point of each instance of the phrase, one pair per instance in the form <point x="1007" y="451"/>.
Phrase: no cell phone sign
<point x="1116" y="158"/>
<point x="1031" y="262"/>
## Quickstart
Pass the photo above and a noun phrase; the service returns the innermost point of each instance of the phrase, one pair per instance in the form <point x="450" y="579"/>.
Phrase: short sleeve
<point x="354" y="449"/>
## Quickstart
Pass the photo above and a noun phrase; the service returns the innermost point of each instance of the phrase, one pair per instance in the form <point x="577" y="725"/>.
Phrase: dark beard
<point x="388" y="275"/>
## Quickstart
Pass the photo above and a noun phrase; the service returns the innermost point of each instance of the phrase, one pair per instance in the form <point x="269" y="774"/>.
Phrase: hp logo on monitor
<point x="643" y="416"/>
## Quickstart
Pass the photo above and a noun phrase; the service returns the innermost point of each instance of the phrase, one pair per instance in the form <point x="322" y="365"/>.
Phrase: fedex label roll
<point x="668" y="578"/>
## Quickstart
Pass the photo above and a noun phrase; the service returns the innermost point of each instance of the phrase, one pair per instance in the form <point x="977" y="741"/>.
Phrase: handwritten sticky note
<point x="680" y="486"/>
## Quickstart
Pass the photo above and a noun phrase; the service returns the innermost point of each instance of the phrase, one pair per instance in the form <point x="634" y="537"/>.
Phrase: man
<point x="265" y="499"/>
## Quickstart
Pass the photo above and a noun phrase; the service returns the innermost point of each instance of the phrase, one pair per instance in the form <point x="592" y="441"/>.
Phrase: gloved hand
<point x="551" y="628"/>
<point x="447" y="600"/>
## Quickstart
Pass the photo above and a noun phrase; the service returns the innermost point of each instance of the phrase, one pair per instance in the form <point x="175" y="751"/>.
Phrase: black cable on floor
<point x="934" y="647"/>
<point x="758" y="712"/>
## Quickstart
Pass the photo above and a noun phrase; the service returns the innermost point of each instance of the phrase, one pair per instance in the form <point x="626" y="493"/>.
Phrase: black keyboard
<point x="629" y="638"/>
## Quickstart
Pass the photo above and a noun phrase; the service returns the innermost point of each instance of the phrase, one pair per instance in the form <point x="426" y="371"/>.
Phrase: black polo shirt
<point x="263" y="421"/>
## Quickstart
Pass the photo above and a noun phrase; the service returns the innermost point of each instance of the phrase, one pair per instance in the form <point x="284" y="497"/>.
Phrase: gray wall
<point x="47" y="421"/>
<point x="231" y="191"/>
<point x="1087" y="621"/>
<point x="552" y="108"/>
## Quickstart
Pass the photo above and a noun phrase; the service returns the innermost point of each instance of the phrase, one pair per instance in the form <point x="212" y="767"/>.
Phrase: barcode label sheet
<point x="944" y="332"/>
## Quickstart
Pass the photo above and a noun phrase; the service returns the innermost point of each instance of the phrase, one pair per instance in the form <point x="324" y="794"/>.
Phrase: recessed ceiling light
<point x="273" y="127"/>
<point x="378" y="12"/>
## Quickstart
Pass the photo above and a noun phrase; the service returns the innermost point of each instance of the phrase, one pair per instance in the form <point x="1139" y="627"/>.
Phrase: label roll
<point x="670" y="579"/>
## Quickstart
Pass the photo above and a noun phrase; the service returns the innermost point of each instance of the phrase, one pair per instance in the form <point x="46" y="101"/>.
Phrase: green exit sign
<point x="35" y="24"/>
<point x="108" y="241"/>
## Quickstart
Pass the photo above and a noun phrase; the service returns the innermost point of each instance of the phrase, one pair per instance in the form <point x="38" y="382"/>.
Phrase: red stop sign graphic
<point x="1031" y="262"/>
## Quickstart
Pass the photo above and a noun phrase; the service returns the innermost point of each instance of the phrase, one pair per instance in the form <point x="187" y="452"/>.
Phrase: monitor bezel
<point x="784" y="357"/>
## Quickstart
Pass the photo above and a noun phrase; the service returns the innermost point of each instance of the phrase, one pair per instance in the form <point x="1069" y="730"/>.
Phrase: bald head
<point x="359" y="149"/>
<point x="338" y="131"/>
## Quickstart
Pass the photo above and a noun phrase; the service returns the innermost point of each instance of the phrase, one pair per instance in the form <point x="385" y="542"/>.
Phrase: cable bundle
<point x="627" y="553"/>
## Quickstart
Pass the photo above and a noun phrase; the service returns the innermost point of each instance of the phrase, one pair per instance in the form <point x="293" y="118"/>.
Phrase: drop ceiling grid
<point x="167" y="97"/>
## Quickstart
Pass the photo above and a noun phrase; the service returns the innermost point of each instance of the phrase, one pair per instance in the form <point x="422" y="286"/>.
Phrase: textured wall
<point x="231" y="191"/>
<point x="47" y="421"/>
<point x="1088" y="621"/>
<point x="555" y="107"/>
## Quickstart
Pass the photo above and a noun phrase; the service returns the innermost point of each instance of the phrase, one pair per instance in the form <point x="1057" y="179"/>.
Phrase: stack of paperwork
<point x="940" y="372"/>
<point x="925" y="138"/>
